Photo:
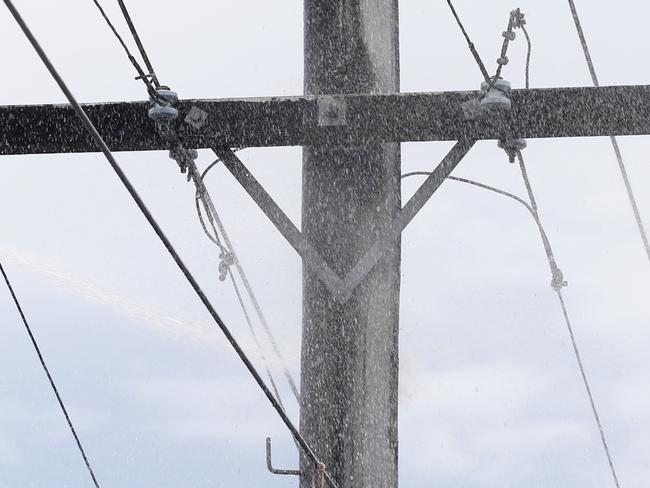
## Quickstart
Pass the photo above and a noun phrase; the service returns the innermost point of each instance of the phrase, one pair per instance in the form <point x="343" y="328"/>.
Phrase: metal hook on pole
<point x="269" y="464"/>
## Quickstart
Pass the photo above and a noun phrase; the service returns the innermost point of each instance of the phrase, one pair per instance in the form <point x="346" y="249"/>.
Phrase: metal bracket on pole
<point x="342" y="288"/>
<point x="269" y="464"/>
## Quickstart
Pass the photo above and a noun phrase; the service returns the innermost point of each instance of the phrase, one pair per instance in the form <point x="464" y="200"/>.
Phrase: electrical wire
<point x="613" y="139"/>
<point x="101" y="145"/>
<point x="470" y="44"/>
<point x="528" y="53"/>
<point x="585" y="381"/>
<point x="203" y="197"/>
<point x="49" y="375"/>
<point x="240" y="299"/>
<point x="141" y="74"/>
<point x="528" y="206"/>
<point x="138" y="43"/>
<point x="217" y="161"/>
<point x="557" y="287"/>
<point x="212" y="214"/>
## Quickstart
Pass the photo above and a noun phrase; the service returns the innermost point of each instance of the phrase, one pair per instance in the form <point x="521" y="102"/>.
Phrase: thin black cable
<point x="544" y="236"/>
<point x="101" y="145"/>
<point x="614" y="141"/>
<point x="49" y="376"/>
<point x="141" y="74"/>
<point x="470" y="44"/>
<point x="138" y="42"/>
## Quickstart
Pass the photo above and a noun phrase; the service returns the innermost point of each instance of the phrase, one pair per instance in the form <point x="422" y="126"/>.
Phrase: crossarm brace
<point x="342" y="289"/>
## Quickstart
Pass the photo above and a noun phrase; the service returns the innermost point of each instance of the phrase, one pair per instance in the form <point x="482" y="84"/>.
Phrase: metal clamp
<point x="558" y="282"/>
<point x="512" y="147"/>
<point x="269" y="465"/>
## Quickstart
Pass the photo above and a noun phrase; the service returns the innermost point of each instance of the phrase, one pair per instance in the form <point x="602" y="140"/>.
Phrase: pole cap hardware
<point x="497" y="97"/>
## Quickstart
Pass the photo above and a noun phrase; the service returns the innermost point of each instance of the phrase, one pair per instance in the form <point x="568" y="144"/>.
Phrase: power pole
<point x="351" y="193"/>
<point x="351" y="121"/>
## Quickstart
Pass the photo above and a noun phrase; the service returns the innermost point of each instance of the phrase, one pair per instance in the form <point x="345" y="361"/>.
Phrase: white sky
<point x="490" y="394"/>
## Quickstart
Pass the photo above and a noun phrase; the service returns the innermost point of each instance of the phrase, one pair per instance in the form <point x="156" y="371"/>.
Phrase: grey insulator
<point x="497" y="97"/>
<point x="161" y="113"/>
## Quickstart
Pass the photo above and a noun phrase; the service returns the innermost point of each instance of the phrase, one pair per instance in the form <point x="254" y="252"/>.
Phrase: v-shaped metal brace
<point x="342" y="287"/>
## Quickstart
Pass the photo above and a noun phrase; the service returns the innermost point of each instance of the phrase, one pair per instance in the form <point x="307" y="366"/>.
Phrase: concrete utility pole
<point x="350" y="193"/>
<point x="351" y="121"/>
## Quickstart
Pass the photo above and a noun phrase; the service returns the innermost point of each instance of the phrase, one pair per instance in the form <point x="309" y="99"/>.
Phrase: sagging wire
<point x="41" y="359"/>
<point x="163" y="113"/>
<point x="613" y="139"/>
<point x="557" y="283"/>
<point x="558" y="290"/>
<point x="101" y="145"/>
<point x="219" y="228"/>
<point x="227" y="271"/>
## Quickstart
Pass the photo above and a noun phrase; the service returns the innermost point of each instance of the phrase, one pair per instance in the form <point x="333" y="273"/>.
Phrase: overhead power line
<point x="141" y="74"/>
<point x="558" y="291"/>
<point x="557" y="284"/>
<point x="41" y="359"/>
<point x="138" y="42"/>
<point x="470" y="44"/>
<point x="613" y="139"/>
<point x="215" y="222"/>
<point x="203" y="198"/>
<point x="101" y="144"/>
<point x="249" y="289"/>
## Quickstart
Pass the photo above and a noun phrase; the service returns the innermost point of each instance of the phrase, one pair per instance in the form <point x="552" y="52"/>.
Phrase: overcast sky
<point x="490" y="394"/>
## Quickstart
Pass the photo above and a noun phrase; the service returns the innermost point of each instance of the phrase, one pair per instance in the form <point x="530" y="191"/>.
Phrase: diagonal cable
<point x="240" y="298"/>
<point x="41" y="359"/>
<point x="617" y="149"/>
<point x="532" y="208"/>
<point x="247" y="286"/>
<point x="101" y="145"/>
<point x="141" y="74"/>
<point x="138" y="42"/>
<point x="558" y="290"/>
<point x="470" y="44"/>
